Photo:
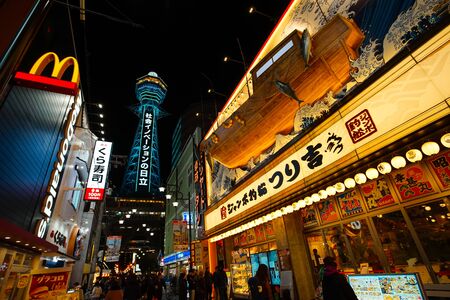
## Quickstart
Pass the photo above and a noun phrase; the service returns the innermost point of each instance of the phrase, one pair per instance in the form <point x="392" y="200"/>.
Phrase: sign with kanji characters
<point x="143" y="180"/>
<point x="200" y="186"/>
<point x="412" y="181"/>
<point x="349" y="203"/>
<point x="327" y="210"/>
<point x="376" y="194"/>
<point x="180" y="235"/>
<point x="440" y="164"/>
<point x="350" y="130"/>
<point x="98" y="174"/>
<point x="361" y="126"/>
<point x="48" y="286"/>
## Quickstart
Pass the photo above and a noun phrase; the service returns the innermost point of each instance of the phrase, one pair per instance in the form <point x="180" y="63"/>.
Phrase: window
<point x="335" y="240"/>
<point x="398" y="246"/>
<point x="362" y="245"/>
<point x="432" y="224"/>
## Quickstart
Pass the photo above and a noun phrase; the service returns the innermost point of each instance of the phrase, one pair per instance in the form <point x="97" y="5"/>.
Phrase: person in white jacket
<point x="96" y="292"/>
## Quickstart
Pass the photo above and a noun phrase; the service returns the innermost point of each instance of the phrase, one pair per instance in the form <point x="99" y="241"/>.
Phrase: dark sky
<point x="179" y="40"/>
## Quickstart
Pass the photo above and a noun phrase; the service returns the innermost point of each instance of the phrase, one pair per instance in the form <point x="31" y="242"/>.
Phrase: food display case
<point x="240" y="274"/>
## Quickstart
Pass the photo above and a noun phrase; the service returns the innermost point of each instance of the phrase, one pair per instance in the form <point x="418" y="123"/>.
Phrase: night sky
<point x="179" y="40"/>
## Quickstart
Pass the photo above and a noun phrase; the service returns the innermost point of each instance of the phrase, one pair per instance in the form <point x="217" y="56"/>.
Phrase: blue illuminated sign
<point x="175" y="257"/>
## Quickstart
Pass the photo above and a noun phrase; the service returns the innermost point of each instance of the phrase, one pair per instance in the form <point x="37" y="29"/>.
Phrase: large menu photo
<point x="387" y="286"/>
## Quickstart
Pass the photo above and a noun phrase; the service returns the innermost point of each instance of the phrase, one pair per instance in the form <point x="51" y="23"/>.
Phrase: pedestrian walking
<point x="334" y="284"/>
<point x="182" y="286"/>
<point x="200" y="286"/>
<point x="191" y="279"/>
<point x="259" y="285"/>
<point x="208" y="283"/>
<point x="115" y="292"/>
<point x="221" y="282"/>
<point x="96" y="292"/>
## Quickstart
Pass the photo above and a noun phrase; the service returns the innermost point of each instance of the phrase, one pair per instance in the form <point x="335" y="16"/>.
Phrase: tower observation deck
<point x="142" y="175"/>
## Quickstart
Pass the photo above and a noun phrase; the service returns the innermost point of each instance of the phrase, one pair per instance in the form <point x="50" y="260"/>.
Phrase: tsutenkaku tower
<point x="142" y="175"/>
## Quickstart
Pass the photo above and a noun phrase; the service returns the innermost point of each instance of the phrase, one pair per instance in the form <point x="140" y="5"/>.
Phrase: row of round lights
<point x="398" y="162"/>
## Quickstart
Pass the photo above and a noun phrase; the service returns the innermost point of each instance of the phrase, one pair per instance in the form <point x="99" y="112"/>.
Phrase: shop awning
<point x="19" y="237"/>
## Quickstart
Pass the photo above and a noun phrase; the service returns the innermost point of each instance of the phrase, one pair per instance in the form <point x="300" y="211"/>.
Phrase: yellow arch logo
<point x="59" y="67"/>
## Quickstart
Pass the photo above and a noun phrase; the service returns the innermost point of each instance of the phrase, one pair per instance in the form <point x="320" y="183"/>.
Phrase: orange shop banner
<point x="48" y="286"/>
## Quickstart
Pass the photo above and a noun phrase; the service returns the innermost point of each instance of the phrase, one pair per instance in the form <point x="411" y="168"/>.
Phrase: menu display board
<point x="349" y="203"/>
<point x="387" y="286"/>
<point x="327" y="211"/>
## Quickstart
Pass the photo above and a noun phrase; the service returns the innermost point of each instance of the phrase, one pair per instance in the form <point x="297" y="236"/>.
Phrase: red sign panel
<point x="48" y="286"/>
<point x="360" y="126"/>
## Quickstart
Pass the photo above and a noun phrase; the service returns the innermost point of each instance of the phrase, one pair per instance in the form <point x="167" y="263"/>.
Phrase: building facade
<point x="347" y="156"/>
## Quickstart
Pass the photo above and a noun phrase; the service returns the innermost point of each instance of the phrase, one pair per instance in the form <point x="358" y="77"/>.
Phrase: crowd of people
<point x="195" y="285"/>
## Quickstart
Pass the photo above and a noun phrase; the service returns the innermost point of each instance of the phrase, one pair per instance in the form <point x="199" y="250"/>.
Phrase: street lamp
<point x="227" y="59"/>
<point x="253" y="10"/>
<point x="178" y="195"/>
<point x="211" y="91"/>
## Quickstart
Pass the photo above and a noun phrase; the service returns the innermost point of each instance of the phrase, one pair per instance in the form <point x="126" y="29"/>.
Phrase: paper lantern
<point x="323" y="194"/>
<point x="278" y="213"/>
<point x="340" y="187"/>
<point x="384" y="167"/>
<point x="315" y="197"/>
<point x="445" y="140"/>
<point x="360" y="178"/>
<point x="372" y="173"/>
<point x="349" y="183"/>
<point x="331" y="190"/>
<point x="290" y="209"/>
<point x="430" y="148"/>
<point x="398" y="162"/>
<point x="414" y="155"/>
<point x="308" y="200"/>
<point x="295" y="206"/>
<point x="302" y="203"/>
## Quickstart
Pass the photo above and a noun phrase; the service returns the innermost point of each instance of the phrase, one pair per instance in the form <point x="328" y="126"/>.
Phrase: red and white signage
<point x="95" y="190"/>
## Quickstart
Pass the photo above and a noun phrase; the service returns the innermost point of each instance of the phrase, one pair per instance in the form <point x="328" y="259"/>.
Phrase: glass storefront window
<point x="432" y="223"/>
<point x="335" y="241"/>
<point x="398" y="246"/>
<point x="362" y="245"/>
<point x="317" y="249"/>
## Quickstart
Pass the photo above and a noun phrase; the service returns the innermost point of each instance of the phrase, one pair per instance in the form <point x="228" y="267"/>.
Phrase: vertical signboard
<point x="143" y="180"/>
<point x="180" y="241"/>
<point x="95" y="190"/>
<point x="200" y="189"/>
<point x="113" y="248"/>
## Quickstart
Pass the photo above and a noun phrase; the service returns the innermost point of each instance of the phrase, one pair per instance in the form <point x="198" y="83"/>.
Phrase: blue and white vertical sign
<point x="145" y="152"/>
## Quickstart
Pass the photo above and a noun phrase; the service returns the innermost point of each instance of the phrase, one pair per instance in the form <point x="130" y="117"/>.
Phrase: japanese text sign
<point x="95" y="189"/>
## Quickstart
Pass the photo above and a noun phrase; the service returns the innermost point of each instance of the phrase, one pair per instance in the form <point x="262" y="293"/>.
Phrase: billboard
<point x="387" y="286"/>
<point x="48" y="286"/>
<point x="98" y="174"/>
<point x="145" y="152"/>
<point x="113" y="248"/>
<point x="180" y="238"/>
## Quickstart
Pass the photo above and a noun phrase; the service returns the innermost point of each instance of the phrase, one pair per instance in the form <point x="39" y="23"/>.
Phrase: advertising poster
<point x="260" y="234"/>
<point x="268" y="228"/>
<point x="412" y="182"/>
<point x="251" y="236"/>
<point x="440" y="164"/>
<point x="386" y="287"/>
<point x="308" y="215"/>
<point x="327" y="211"/>
<point x="180" y="240"/>
<point x="113" y="248"/>
<point x="376" y="194"/>
<point x="48" y="286"/>
<point x="349" y="203"/>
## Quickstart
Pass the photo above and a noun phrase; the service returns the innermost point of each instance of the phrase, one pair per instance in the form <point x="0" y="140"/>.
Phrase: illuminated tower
<point x="142" y="174"/>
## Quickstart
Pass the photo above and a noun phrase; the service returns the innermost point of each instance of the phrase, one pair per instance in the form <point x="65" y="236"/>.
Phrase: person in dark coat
<point x="182" y="287"/>
<point x="158" y="286"/>
<point x="132" y="290"/>
<point x="200" y="286"/>
<point x="259" y="285"/>
<point x="208" y="283"/>
<point x="334" y="284"/>
<point x="222" y="283"/>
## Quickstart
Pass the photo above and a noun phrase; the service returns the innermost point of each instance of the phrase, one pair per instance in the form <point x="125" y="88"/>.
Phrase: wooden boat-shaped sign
<point x="301" y="69"/>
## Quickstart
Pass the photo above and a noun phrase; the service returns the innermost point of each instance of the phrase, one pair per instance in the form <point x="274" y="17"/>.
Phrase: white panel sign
<point x="98" y="173"/>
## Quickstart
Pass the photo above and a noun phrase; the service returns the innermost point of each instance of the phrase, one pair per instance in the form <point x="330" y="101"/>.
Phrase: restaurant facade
<point x="336" y="143"/>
